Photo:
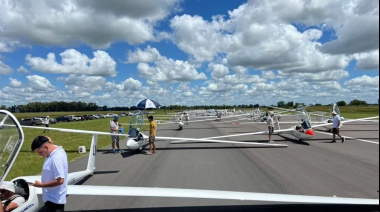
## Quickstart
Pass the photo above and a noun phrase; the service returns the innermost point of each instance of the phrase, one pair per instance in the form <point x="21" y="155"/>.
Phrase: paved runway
<point x="314" y="167"/>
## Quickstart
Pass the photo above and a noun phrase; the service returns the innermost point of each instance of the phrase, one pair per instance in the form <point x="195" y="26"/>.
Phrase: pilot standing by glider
<point x="54" y="174"/>
<point x="115" y="138"/>
<point x="152" y="136"/>
<point x="336" y="127"/>
<point x="270" y="123"/>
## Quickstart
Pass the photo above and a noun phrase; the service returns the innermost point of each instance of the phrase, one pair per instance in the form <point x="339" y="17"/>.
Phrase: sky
<point x="189" y="52"/>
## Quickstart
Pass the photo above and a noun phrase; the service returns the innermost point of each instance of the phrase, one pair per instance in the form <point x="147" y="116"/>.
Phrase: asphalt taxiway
<point x="316" y="167"/>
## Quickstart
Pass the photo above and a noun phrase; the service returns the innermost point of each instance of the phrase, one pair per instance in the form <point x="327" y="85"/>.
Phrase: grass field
<point x="29" y="163"/>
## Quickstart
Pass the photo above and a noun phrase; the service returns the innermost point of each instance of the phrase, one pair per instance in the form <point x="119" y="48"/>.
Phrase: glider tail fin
<point x="92" y="155"/>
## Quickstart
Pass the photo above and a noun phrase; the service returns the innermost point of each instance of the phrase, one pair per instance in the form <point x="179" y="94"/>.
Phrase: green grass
<point x="29" y="163"/>
<point x="350" y="112"/>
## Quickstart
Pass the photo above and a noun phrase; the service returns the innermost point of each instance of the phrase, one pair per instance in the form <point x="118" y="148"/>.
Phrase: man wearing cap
<point x="7" y="194"/>
<point x="115" y="138"/>
<point x="270" y="123"/>
<point x="54" y="173"/>
<point x="336" y="127"/>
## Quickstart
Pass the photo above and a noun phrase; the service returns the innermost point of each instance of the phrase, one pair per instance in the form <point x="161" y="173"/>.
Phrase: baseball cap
<point x="116" y="117"/>
<point x="9" y="186"/>
<point x="334" y="113"/>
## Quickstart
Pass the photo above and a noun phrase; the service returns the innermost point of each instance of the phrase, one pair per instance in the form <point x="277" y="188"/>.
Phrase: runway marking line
<point x="367" y="141"/>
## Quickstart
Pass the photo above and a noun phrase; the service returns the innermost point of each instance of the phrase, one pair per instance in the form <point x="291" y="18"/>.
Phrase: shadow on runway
<point x="295" y="141"/>
<point x="257" y="208"/>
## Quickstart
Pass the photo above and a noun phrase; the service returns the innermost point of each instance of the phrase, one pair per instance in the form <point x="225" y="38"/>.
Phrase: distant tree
<point x="358" y="102"/>
<point x="3" y="107"/>
<point x="281" y="104"/>
<point x="256" y="106"/>
<point x="290" y="104"/>
<point x="342" y="104"/>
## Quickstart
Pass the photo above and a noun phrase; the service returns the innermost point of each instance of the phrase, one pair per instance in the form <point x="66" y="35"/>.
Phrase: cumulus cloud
<point x="363" y="88"/>
<point x="73" y="62"/>
<point x="368" y="61"/>
<point x="5" y="69"/>
<point x="218" y="70"/>
<point x="14" y="83"/>
<point x="40" y="84"/>
<point x="198" y="37"/>
<point x="141" y="56"/>
<point x="165" y="69"/>
<point x="22" y="69"/>
<point x="72" y="22"/>
<point x="81" y="84"/>
<point x="131" y="85"/>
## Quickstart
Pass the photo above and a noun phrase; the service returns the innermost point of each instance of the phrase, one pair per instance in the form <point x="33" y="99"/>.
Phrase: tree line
<point x="82" y="106"/>
<point x="354" y="102"/>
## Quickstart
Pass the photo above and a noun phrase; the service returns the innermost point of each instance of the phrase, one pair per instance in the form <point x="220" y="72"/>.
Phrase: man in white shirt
<point x="54" y="174"/>
<point x="114" y="125"/>
<point x="336" y="127"/>
<point x="270" y="123"/>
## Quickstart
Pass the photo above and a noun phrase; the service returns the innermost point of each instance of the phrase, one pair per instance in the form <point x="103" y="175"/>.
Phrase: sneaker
<point x="148" y="153"/>
<point x="333" y="141"/>
<point x="121" y="151"/>
<point x="271" y="141"/>
<point x="114" y="151"/>
<point x="343" y="139"/>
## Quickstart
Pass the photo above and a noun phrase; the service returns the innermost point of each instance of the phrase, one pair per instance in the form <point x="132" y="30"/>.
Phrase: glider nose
<point x="310" y="132"/>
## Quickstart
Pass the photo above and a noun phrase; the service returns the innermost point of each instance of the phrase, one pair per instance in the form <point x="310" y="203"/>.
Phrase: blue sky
<point x="189" y="52"/>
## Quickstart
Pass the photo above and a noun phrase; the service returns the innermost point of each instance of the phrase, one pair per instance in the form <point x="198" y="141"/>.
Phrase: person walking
<point x="152" y="136"/>
<point x="47" y="123"/>
<point x="115" y="139"/>
<point x="54" y="174"/>
<point x="337" y="123"/>
<point x="270" y="123"/>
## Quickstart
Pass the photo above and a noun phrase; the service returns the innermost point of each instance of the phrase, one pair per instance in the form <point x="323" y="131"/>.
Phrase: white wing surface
<point x="352" y="120"/>
<point x="209" y="194"/>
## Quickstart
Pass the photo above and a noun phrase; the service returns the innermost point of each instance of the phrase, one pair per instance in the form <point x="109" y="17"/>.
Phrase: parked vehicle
<point x="51" y="120"/>
<point x="63" y="119"/>
<point x="88" y="117"/>
<point x="101" y="116"/>
<point x="31" y="122"/>
<point x="75" y="118"/>
<point x="110" y="115"/>
<point x="95" y="116"/>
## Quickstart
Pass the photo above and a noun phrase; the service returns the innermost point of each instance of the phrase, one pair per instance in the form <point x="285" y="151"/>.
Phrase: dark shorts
<point x="115" y="138"/>
<point x="52" y="207"/>
<point x="152" y="139"/>
<point x="335" y="130"/>
<point x="271" y="130"/>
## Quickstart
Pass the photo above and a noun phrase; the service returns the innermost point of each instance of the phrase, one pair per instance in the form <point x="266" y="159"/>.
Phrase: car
<point x="88" y="117"/>
<point x="110" y="115"/>
<point x="101" y="116"/>
<point x="31" y="122"/>
<point x="51" y="120"/>
<point x="75" y="118"/>
<point x="63" y="119"/>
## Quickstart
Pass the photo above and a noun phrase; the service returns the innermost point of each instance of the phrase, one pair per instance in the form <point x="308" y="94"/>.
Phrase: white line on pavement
<point x="367" y="141"/>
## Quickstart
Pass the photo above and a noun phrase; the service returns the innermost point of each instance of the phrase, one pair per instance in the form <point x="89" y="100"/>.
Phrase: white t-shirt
<point x="114" y="125"/>
<point x="336" y="121"/>
<point x="270" y="121"/>
<point x="19" y="201"/>
<point x="55" y="167"/>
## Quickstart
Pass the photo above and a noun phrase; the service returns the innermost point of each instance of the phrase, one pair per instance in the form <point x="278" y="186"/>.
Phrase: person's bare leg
<point x="154" y="148"/>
